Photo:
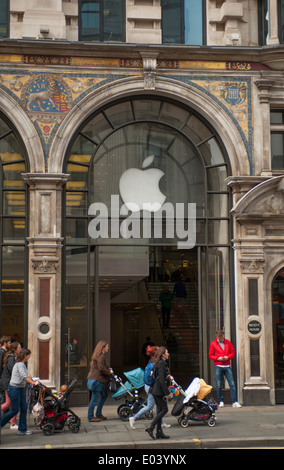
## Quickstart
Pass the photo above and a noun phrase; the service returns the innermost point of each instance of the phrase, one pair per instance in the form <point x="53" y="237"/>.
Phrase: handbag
<point x="112" y="385"/>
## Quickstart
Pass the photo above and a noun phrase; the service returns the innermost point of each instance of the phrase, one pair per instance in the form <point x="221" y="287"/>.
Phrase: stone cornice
<point x="272" y="56"/>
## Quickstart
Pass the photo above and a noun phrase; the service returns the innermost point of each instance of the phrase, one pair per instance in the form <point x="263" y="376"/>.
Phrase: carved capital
<point x="45" y="265"/>
<point x="149" y="70"/>
<point x="252" y="266"/>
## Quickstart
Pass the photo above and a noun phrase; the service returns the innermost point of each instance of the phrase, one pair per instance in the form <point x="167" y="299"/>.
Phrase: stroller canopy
<point x="136" y="377"/>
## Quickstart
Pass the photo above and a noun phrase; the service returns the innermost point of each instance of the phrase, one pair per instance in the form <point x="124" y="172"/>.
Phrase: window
<point x="13" y="208"/>
<point x="281" y="21"/>
<point x="101" y="20"/>
<point x="277" y="139"/>
<point x="183" y="21"/>
<point x="263" y="21"/>
<point x="4" y="19"/>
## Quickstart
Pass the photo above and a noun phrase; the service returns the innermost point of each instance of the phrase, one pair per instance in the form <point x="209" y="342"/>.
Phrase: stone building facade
<point x="76" y="112"/>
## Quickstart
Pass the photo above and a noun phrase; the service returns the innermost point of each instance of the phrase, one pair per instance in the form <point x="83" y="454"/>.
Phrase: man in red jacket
<point x="221" y="351"/>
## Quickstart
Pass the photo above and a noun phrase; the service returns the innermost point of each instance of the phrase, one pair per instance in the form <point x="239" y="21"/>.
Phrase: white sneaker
<point x="14" y="426"/>
<point x="131" y="422"/>
<point x="24" y="433"/>
<point x="236" y="405"/>
<point x="165" y="425"/>
<point x="221" y="404"/>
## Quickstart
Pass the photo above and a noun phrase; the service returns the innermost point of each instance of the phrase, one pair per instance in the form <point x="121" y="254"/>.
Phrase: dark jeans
<point x="165" y="316"/>
<point x="18" y="402"/>
<point x="227" y="372"/>
<point x="99" y="392"/>
<point x="162" y="409"/>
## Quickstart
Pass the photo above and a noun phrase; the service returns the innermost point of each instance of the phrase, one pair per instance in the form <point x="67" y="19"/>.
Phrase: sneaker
<point x="14" y="426"/>
<point x="131" y="422"/>
<point x="236" y="405"/>
<point x="165" y="425"/>
<point x="23" y="433"/>
<point x="221" y="404"/>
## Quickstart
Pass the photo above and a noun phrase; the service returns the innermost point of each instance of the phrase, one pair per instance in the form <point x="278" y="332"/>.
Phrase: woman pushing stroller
<point x="160" y="392"/>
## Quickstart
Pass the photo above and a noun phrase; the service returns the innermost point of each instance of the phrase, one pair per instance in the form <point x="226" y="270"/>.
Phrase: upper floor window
<point x="4" y="19"/>
<point x="101" y="20"/>
<point x="281" y="21"/>
<point x="265" y="26"/>
<point x="263" y="21"/>
<point x="183" y="21"/>
<point x="277" y="139"/>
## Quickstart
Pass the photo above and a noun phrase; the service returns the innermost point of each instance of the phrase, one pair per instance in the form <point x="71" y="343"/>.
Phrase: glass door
<point x="215" y="305"/>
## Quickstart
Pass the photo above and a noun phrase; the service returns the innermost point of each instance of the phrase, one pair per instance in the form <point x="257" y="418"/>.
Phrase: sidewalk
<point x="246" y="427"/>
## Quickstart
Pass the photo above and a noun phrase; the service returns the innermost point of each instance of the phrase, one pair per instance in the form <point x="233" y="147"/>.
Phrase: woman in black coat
<point x="160" y="392"/>
<point x="9" y="361"/>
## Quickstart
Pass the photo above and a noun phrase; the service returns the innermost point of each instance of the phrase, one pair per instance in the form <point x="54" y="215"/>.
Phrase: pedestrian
<point x="16" y="392"/>
<point x="147" y="343"/>
<point x="9" y="361"/>
<point x="180" y="295"/>
<point x="151" y="350"/>
<point x="98" y="379"/>
<point x="166" y="298"/>
<point x="221" y="351"/>
<point x="5" y="342"/>
<point x="172" y="346"/>
<point x="160" y="392"/>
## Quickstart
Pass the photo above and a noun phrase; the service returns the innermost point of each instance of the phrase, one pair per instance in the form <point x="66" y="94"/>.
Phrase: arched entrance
<point x="13" y="215"/>
<point x="278" y="334"/>
<point x="113" y="282"/>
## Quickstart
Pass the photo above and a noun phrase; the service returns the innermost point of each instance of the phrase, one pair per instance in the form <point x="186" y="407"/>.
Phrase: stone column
<point x="250" y="252"/>
<point x="264" y="86"/>
<point x="44" y="297"/>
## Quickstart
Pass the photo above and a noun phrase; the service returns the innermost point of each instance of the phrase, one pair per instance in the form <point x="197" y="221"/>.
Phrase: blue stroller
<point x="130" y="391"/>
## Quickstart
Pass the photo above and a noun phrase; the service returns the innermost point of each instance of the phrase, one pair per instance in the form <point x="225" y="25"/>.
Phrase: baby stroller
<point x="194" y="404"/>
<point x="51" y="412"/>
<point x="130" y="390"/>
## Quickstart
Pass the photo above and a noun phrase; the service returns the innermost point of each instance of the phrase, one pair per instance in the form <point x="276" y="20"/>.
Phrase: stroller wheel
<point x="124" y="413"/>
<point x="183" y="422"/>
<point x="149" y="415"/>
<point x="48" y="429"/>
<point x="211" y="422"/>
<point x="74" y="428"/>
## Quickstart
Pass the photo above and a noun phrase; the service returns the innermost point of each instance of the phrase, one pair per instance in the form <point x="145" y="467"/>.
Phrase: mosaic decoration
<point x="48" y="97"/>
<point x="46" y="94"/>
<point x="46" y="60"/>
<point x="235" y="97"/>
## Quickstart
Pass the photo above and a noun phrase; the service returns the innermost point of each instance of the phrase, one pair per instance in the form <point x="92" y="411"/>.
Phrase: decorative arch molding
<point x="265" y="199"/>
<point x="26" y="130"/>
<point x="186" y="94"/>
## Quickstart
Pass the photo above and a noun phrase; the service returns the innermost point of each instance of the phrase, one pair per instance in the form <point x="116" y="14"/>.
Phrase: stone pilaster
<point x="44" y="296"/>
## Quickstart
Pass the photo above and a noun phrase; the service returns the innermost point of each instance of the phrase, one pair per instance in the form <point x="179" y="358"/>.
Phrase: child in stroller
<point x="196" y="397"/>
<point x="51" y="412"/>
<point x="130" y="390"/>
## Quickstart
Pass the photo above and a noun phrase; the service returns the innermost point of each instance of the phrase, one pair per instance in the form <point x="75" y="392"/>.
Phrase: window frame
<point x="182" y="24"/>
<point x="101" y="23"/>
<point x="276" y="128"/>
<point x="7" y="6"/>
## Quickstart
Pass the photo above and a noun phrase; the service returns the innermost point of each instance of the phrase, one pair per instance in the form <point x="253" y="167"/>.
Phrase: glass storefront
<point x="107" y="264"/>
<point x="278" y="334"/>
<point x="13" y="234"/>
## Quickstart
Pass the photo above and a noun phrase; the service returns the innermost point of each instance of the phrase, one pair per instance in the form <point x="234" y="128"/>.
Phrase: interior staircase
<point x="184" y="358"/>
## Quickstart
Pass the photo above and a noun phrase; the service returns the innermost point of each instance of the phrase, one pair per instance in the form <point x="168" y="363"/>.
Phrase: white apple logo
<point x="140" y="187"/>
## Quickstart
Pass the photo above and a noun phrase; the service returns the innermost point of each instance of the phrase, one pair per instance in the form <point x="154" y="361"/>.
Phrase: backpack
<point x="149" y="374"/>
